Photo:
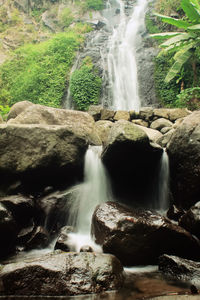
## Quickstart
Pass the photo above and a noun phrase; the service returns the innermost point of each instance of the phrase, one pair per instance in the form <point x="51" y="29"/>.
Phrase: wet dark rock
<point x="22" y="208"/>
<point x="55" y="208"/>
<point x="62" y="274"/>
<point x="139" y="237"/>
<point x="25" y="235"/>
<point x="39" y="239"/>
<point x="184" y="156"/>
<point x="191" y="220"/>
<point x="62" y="242"/>
<point x="86" y="248"/>
<point x="8" y="231"/>
<point x="174" y="212"/>
<point x="131" y="161"/>
<point x="181" y="269"/>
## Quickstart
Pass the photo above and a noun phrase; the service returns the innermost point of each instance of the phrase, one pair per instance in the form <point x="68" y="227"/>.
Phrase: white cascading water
<point x="94" y="191"/>
<point x="122" y="66"/>
<point x="163" y="187"/>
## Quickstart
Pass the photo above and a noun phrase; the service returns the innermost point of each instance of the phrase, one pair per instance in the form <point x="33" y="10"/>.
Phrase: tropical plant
<point x="189" y="98"/>
<point x="184" y="42"/>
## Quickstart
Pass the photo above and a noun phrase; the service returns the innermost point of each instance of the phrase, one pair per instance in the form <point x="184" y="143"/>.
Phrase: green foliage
<point x="85" y="85"/>
<point x="183" y="44"/>
<point x="168" y="7"/>
<point x="4" y="110"/>
<point x="166" y="92"/>
<point x="95" y="4"/>
<point x="189" y="98"/>
<point x="38" y="72"/>
<point x="151" y="25"/>
<point x="66" y="17"/>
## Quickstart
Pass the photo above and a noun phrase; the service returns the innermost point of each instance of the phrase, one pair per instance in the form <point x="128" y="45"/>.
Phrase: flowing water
<point x="94" y="191"/>
<point x="121" y="59"/>
<point x="163" y="183"/>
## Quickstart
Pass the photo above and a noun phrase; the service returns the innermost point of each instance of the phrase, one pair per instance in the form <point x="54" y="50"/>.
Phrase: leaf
<point x="194" y="27"/>
<point x="178" y="38"/>
<point x="163" y="35"/>
<point x="176" y="22"/>
<point x="180" y="59"/>
<point x="196" y="4"/>
<point x="190" y="11"/>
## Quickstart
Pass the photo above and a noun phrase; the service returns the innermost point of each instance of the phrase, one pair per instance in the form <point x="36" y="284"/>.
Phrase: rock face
<point x="191" y="220"/>
<point x="139" y="237"/>
<point x="62" y="274"/>
<point x="37" y="154"/>
<point x="130" y="159"/>
<point x="181" y="269"/>
<point x="18" y="108"/>
<point x="184" y="156"/>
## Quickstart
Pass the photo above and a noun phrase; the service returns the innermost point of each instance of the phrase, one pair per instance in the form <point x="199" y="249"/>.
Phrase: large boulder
<point x="62" y="274"/>
<point x="139" y="237"/>
<point x="184" y="156"/>
<point x="191" y="220"/>
<point x="81" y="123"/>
<point x="180" y="269"/>
<point x="103" y="129"/>
<point x="130" y="160"/>
<point x="18" y="108"/>
<point x="172" y="114"/>
<point x="40" y="155"/>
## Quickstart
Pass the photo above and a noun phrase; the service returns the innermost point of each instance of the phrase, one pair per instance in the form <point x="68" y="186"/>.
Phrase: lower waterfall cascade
<point x="94" y="190"/>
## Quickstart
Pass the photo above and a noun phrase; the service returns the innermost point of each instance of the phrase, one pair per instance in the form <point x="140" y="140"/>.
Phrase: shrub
<point x="38" y="72"/>
<point x="95" y="4"/>
<point x="189" y="98"/>
<point x="4" y="110"/>
<point x="66" y="17"/>
<point x="85" y="86"/>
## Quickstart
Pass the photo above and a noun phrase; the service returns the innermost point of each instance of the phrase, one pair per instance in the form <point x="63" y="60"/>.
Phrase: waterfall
<point x="93" y="191"/>
<point x="163" y="183"/>
<point x="122" y="66"/>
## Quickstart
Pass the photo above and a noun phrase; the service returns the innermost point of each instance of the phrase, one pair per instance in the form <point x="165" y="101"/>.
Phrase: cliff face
<point x="32" y="21"/>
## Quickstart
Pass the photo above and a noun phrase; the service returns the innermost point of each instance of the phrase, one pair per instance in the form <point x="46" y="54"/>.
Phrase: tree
<point x="184" y="42"/>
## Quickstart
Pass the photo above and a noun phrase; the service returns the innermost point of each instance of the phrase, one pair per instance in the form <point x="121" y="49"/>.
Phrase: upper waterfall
<point x="121" y="59"/>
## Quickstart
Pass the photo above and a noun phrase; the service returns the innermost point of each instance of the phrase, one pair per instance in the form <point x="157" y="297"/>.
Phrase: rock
<point x="184" y="156"/>
<point x="171" y="113"/>
<point x="174" y="212"/>
<point x="130" y="160"/>
<point x="146" y="113"/>
<point x="40" y="155"/>
<point x="8" y="231"/>
<point x="18" y="108"/>
<point x="107" y="114"/>
<point x="48" y="21"/>
<point x="56" y="207"/>
<point x="39" y="239"/>
<point x="177" y="113"/>
<point x="153" y="134"/>
<point x="25" y="235"/>
<point x="121" y="115"/>
<point x="177" y="123"/>
<point x="160" y="123"/>
<point x="139" y="237"/>
<point x="81" y="123"/>
<point x="165" y="139"/>
<point x="86" y="248"/>
<point x="95" y="111"/>
<point x="62" y="274"/>
<point x="191" y="220"/>
<point x="22" y="208"/>
<point x="181" y="269"/>
<point x="165" y="129"/>
<point x="62" y="242"/>
<point x="140" y="122"/>
<point x="103" y="129"/>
